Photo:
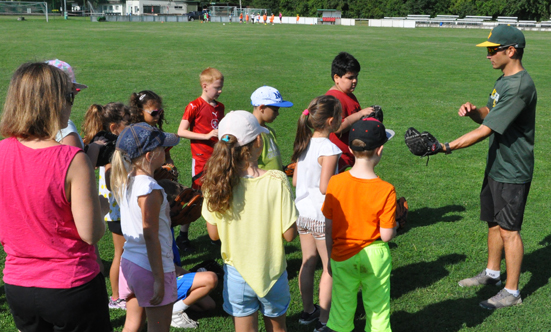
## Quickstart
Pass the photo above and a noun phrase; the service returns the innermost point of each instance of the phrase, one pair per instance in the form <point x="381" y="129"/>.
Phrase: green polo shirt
<point x="512" y="118"/>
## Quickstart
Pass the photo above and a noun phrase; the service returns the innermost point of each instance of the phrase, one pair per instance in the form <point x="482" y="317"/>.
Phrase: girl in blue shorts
<point x="251" y="211"/>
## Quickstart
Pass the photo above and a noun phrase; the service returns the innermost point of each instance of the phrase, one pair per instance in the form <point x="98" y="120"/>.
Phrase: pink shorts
<point x="137" y="281"/>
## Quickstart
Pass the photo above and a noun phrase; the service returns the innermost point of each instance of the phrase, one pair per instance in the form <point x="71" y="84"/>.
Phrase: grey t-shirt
<point x="512" y="118"/>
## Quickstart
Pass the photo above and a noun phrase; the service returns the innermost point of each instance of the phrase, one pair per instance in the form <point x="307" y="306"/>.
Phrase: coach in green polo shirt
<point x="509" y="120"/>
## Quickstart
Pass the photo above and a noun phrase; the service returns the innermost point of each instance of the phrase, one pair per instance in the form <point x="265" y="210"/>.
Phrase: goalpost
<point x="23" y="8"/>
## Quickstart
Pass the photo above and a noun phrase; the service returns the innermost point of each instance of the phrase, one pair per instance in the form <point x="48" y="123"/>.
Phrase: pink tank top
<point x="37" y="229"/>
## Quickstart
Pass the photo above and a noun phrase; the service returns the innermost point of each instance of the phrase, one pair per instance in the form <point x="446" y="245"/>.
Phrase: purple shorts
<point x="137" y="281"/>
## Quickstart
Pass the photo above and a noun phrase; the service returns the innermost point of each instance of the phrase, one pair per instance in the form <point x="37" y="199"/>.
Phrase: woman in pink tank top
<point x="50" y="211"/>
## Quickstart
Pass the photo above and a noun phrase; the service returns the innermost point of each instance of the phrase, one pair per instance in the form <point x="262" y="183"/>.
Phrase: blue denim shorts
<point x="240" y="300"/>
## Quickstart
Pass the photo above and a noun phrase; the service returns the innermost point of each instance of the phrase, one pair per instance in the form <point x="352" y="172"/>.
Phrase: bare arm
<point x="388" y="234"/>
<point x="328" y="166"/>
<point x="290" y="233"/>
<point x="329" y="241"/>
<point x="349" y="120"/>
<point x="72" y="139"/>
<point x="213" y="232"/>
<point x="476" y="114"/>
<point x="470" y="138"/>
<point x="151" y="207"/>
<point x="81" y="191"/>
<point x="295" y="172"/>
<point x="183" y="131"/>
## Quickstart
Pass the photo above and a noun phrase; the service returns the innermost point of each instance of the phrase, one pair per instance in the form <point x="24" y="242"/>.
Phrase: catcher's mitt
<point x="106" y="151"/>
<point x="422" y="144"/>
<point x="167" y="172"/>
<point x="401" y="212"/>
<point x="185" y="203"/>
<point x="377" y="113"/>
<point x="290" y="169"/>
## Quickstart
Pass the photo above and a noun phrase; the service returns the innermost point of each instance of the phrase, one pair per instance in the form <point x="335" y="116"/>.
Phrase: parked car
<point x="195" y="15"/>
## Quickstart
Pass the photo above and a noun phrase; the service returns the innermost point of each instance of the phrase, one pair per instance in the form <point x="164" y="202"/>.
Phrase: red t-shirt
<point x="203" y="118"/>
<point x="350" y="105"/>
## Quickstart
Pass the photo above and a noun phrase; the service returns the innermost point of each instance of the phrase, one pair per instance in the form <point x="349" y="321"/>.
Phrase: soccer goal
<point x="24" y="8"/>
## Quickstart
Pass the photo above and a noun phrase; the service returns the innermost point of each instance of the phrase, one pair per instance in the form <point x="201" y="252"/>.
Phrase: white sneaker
<point x="180" y="319"/>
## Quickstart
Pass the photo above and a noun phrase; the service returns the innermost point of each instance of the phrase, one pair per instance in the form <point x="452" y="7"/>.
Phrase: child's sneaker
<point x="306" y="318"/>
<point x="320" y="327"/>
<point x="480" y="279"/>
<point x="502" y="299"/>
<point x="181" y="320"/>
<point x="117" y="304"/>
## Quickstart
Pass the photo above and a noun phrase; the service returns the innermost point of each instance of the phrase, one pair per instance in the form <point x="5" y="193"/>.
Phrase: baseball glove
<point x="167" y="172"/>
<point x="107" y="149"/>
<point x="422" y="144"/>
<point x="377" y="113"/>
<point x="185" y="203"/>
<point x="290" y="169"/>
<point x="401" y="212"/>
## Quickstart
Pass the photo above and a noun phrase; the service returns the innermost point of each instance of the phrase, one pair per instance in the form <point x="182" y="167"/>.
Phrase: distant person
<point x="51" y="215"/>
<point x="360" y="213"/>
<point x="267" y="101"/>
<point x="297" y="18"/>
<point x="280" y="16"/>
<point x="258" y="18"/>
<point x="252" y="18"/>
<point x="344" y="72"/>
<point x="272" y="19"/>
<point x="241" y="18"/>
<point x="229" y="17"/>
<point x="238" y="195"/>
<point x="317" y="158"/>
<point x="247" y="18"/>
<point x="199" y="124"/>
<point x="265" y="18"/>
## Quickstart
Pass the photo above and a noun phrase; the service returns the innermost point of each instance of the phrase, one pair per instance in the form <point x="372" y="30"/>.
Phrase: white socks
<point x="515" y="293"/>
<point x="179" y="306"/>
<point x="493" y="274"/>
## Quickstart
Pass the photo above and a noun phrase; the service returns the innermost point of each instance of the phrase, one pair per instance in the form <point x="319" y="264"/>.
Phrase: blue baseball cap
<point x="140" y="138"/>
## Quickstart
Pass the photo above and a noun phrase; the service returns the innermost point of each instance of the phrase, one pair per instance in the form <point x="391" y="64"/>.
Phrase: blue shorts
<point x="240" y="300"/>
<point x="183" y="283"/>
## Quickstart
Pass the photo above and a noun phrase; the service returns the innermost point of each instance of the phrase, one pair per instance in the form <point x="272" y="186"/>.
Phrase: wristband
<point x="448" y="150"/>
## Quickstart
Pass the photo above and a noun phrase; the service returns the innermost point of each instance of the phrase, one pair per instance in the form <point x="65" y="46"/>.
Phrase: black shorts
<point x="79" y="309"/>
<point x="503" y="203"/>
<point x="115" y="227"/>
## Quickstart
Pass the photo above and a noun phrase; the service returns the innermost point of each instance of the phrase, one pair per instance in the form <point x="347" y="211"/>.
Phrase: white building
<point x="112" y="8"/>
<point x="141" y="7"/>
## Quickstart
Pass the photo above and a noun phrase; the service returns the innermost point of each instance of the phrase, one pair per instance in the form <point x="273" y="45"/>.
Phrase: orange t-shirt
<point x="264" y="17"/>
<point x="358" y="208"/>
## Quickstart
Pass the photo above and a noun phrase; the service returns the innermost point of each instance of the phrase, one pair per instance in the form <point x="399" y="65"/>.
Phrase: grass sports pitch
<point x="419" y="76"/>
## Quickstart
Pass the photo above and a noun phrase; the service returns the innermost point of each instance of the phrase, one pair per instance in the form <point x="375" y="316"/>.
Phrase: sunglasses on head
<point x="155" y="112"/>
<point x="70" y="97"/>
<point x="494" y="49"/>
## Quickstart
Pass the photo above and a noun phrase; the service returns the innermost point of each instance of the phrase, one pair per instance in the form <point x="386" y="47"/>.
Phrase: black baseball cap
<point x="370" y="131"/>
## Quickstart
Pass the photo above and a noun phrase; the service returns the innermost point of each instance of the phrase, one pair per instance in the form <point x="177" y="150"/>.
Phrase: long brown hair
<point x="222" y="172"/>
<point x="99" y="118"/>
<point x="34" y="102"/>
<point x="320" y="109"/>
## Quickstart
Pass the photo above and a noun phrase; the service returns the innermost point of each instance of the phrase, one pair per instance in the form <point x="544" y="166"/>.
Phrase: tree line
<point x="539" y="10"/>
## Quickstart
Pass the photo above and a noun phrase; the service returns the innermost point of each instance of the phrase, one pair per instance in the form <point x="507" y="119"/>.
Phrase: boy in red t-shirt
<point x="344" y="72"/>
<point x="200" y="125"/>
<point x="360" y="212"/>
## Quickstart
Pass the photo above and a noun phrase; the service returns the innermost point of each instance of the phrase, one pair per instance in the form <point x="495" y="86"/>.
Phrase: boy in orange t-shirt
<point x="360" y="212"/>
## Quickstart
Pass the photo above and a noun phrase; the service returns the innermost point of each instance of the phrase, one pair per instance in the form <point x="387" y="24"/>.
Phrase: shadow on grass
<point x="449" y="315"/>
<point x="427" y="216"/>
<point x="420" y="275"/>
<point x="537" y="262"/>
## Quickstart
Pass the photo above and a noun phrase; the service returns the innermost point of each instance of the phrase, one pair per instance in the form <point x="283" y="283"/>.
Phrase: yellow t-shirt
<point x="251" y="232"/>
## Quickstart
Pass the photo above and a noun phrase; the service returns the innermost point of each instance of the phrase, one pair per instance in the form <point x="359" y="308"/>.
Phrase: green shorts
<point x="369" y="270"/>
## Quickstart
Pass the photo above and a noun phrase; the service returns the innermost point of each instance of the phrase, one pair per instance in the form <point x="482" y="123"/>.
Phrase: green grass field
<point x="419" y="76"/>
